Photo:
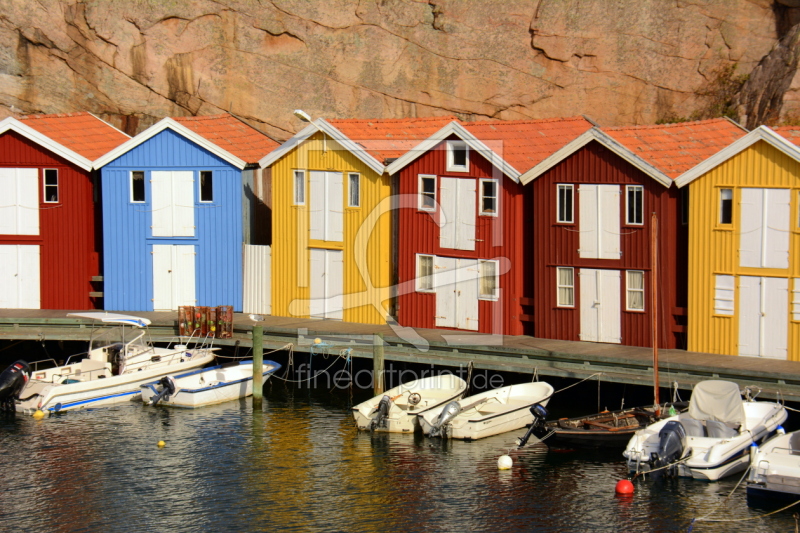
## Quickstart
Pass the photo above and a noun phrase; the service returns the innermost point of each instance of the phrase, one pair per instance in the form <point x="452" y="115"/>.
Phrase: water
<point x="300" y="465"/>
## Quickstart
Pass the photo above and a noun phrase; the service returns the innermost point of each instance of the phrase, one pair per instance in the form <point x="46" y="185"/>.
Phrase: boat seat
<point x="693" y="427"/>
<point x="719" y="430"/>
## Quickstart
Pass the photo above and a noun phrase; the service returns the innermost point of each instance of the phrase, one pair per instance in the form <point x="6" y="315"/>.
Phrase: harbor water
<point x="299" y="464"/>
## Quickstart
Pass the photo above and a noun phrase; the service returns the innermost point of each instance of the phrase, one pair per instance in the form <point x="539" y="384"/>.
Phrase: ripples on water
<point x="300" y="465"/>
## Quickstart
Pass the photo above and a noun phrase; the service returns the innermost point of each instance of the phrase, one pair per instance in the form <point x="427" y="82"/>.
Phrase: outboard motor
<point x="539" y="415"/>
<point x="12" y="381"/>
<point x="672" y="442"/>
<point x="449" y="412"/>
<point x="167" y="389"/>
<point x="382" y="412"/>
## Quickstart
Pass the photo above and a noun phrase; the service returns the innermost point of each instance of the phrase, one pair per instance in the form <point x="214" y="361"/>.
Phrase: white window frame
<point x="350" y="176"/>
<point x="45" y="186"/>
<point x="496" y="197"/>
<point x="796" y="300"/>
<point x="634" y="189"/>
<point x="496" y="293"/>
<point x="422" y="194"/>
<point x="299" y="193"/>
<point x="144" y="185"/>
<point x="451" y="147"/>
<point x="559" y="215"/>
<point x="559" y="287"/>
<point x="724" y="294"/>
<point x="200" y="187"/>
<point x="418" y="278"/>
<point x="630" y="289"/>
<point x="719" y="216"/>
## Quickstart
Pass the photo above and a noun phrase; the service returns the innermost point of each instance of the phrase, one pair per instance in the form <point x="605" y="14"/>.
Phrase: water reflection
<point x="300" y="465"/>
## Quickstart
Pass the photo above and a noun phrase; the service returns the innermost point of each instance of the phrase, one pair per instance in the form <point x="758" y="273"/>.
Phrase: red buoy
<point x="624" y="486"/>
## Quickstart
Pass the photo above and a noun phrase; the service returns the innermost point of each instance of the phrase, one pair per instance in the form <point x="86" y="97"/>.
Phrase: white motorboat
<point x="711" y="440"/>
<point x="775" y="468"/>
<point x="206" y="386"/>
<point x="120" y="358"/>
<point x="486" y="414"/>
<point x="396" y="410"/>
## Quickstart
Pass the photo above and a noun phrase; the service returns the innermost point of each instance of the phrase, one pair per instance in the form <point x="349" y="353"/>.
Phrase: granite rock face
<point x="133" y="62"/>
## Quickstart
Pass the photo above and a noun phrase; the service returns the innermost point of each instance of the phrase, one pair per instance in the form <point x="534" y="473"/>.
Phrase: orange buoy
<point x="624" y="486"/>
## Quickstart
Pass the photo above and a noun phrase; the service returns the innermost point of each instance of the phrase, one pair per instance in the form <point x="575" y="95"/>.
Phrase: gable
<point x="16" y="149"/>
<point x="168" y="149"/>
<point x="759" y="165"/>
<point x="320" y="152"/>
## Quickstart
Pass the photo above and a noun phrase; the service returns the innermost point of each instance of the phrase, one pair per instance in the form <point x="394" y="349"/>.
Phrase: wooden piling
<point x="258" y="359"/>
<point x="377" y="363"/>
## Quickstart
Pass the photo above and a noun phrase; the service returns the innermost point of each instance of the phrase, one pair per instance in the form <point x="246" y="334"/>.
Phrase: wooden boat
<point x="775" y="468"/>
<point x="206" y="386"/>
<point x="488" y="413"/>
<point x="396" y="410"/>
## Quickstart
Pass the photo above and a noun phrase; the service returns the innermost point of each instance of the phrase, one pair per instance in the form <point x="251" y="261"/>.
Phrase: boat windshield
<point x="128" y="336"/>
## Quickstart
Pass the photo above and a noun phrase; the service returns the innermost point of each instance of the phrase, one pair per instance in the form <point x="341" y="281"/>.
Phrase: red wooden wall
<point x="67" y="237"/>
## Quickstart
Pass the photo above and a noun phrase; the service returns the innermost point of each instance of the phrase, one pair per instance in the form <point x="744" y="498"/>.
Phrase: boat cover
<point x="717" y="400"/>
<point x="114" y="318"/>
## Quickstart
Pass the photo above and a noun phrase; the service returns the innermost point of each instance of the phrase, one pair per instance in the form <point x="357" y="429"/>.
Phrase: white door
<point x="326" y="284"/>
<point x="763" y="317"/>
<point x="326" y="206"/>
<point x="456" y="284"/>
<point x="458" y="202"/>
<point x="173" y="276"/>
<point x="598" y="221"/>
<point x="19" y="205"/>
<point x="173" y="203"/>
<point x="765" y="226"/>
<point x="19" y="277"/>
<point x="600" y="309"/>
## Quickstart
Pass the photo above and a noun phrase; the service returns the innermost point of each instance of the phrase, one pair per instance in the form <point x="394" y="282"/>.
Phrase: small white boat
<point x="775" y="468"/>
<point x="396" y="410"/>
<point x="205" y="386"/>
<point x="486" y="414"/>
<point x="119" y="359"/>
<point x="711" y="440"/>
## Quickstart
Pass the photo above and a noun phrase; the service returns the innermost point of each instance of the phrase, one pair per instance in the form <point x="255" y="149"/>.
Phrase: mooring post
<point x="377" y="363"/>
<point x="258" y="359"/>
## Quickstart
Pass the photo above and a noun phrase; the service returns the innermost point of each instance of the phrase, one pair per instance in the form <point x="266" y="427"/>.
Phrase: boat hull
<point x="775" y="468"/>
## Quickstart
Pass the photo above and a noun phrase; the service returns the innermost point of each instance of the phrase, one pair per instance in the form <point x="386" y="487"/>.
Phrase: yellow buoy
<point x="504" y="462"/>
<point x="317" y="340"/>
<point x="38" y="414"/>
<point x="161" y="444"/>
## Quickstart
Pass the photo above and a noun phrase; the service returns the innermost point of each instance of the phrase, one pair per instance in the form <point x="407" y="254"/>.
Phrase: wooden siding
<point x="551" y="245"/>
<point x="499" y="237"/>
<point x="68" y="230"/>
<point x="366" y="254"/>
<point x="715" y="249"/>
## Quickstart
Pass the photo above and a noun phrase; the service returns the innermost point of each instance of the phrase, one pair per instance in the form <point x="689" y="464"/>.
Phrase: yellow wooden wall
<point x="714" y="249"/>
<point x="290" y="234"/>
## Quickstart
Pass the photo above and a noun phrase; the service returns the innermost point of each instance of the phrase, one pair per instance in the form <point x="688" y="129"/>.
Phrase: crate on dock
<point x="202" y="322"/>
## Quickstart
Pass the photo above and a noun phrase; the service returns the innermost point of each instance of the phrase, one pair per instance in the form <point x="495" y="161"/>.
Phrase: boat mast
<point x="654" y="305"/>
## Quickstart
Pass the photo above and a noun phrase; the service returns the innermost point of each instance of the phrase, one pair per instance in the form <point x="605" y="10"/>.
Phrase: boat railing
<point x="35" y="364"/>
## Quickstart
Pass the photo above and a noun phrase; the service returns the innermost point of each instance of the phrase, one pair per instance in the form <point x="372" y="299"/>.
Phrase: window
<point x="457" y="156"/>
<point x="51" y="185"/>
<point x="354" y="190"/>
<point x="635" y="290"/>
<point x="427" y="193"/>
<point x="488" y="287"/>
<point x="299" y="187"/>
<point x="635" y="204"/>
<point x="723" y="294"/>
<point x="565" y="204"/>
<point x="206" y="186"/>
<point x="137" y="186"/>
<point x="725" y="206"/>
<point x="685" y="205"/>
<point x="566" y="286"/>
<point x="489" y="197"/>
<point x="425" y="273"/>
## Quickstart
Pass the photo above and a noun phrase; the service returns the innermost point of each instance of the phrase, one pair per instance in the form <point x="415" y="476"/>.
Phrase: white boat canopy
<point x="114" y="318"/>
<point x="717" y="400"/>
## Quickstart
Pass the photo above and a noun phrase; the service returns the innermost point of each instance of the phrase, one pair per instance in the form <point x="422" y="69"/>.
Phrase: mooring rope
<point x="740" y="519"/>
<point x="343" y="354"/>
<point x="288" y="346"/>
<point x="578" y="382"/>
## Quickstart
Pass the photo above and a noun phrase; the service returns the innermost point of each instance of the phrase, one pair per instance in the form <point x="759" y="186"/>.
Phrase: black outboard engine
<point x="382" y="412"/>
<point x="672" y="442"/>
<point x="449" y="412"/>
<point x="12" y="381"/>
<point x="539" y="415"/>
<point x="167" y="388"/>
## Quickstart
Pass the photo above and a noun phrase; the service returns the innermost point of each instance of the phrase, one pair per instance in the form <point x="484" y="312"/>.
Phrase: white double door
<point x="456" y="285"/>
<point x="19" y="277"/>
<point x="458" y="201"/>
<point x="600" y="308"/>
<point x="326" y="284"/>
<point x="763" y="316"/>
<point x="173" y="276"/>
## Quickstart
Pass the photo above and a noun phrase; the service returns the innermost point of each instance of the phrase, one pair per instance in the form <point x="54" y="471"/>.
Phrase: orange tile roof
<point x="523" y="144"/>
<point x="389" y="138"/>
<point x="83" y="133"/>
<point x="790" y="133"/>
<point x="232" y="135"/>
<point x="676" y="148"/>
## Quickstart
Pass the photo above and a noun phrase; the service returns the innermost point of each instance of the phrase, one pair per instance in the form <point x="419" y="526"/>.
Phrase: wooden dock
<point x="521" y="354"/>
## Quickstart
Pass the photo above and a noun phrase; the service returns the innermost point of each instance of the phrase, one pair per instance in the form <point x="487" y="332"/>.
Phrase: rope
<point x="288" y="346"/>
<point x="343" y="354"/>
<point x="662" y="467"/>
<point x="577" y="383"/>
<point x="741" y="519"/>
